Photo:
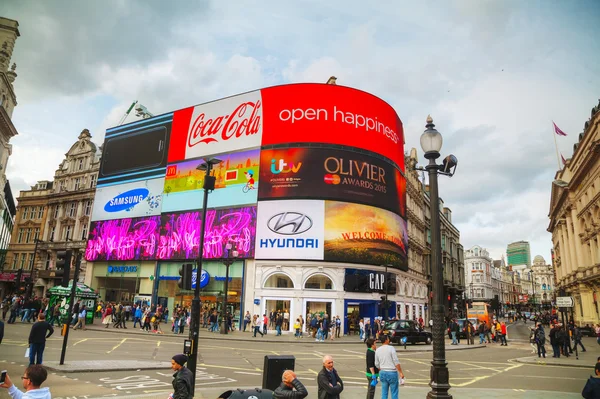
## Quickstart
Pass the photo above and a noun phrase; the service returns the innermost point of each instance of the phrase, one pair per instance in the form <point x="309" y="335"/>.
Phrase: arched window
<point x="279" y="280"/>
<point x="318" y="282"/>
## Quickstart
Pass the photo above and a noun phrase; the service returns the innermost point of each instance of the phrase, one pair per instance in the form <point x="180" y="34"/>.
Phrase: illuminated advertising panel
<point x="365" y="234"/>
<point x="290" y="229"/>
<point x="233" y="123"/>
<point x="331" y="174"/>
<point x="331" y="114"/>
<point x="127" y="200"/>
<point x="237" y="182"/>
<point x="137" y="151"/>
<point x="173" y="236"/>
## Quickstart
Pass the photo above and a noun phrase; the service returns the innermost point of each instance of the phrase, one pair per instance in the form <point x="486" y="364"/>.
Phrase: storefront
<point x="122" y="282"/>
<point x="212" y="286"/>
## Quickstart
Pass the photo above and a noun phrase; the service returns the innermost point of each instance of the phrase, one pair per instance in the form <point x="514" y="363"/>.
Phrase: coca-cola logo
<point x="243" y="121"/>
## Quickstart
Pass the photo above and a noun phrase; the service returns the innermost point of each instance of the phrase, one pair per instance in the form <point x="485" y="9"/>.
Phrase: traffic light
<point x="185" y="279"/>
<point x="63" y="266"/>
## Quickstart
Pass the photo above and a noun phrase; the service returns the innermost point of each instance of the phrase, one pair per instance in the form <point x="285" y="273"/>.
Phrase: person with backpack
<point x="540" y="340"/>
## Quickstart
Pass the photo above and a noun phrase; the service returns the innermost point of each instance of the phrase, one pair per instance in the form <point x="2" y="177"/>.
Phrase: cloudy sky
<point x="493" y="74"/>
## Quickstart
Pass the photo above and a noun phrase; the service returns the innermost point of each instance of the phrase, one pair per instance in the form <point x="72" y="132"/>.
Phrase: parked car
<point x="587" y="331"/>
<point x="406" y="328"/>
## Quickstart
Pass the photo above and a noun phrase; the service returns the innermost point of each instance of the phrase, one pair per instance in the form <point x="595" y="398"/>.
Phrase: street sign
<point x="564" y="301"/>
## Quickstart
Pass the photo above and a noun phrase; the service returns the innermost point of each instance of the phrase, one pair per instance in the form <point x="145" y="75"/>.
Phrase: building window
<point x="40" y="212"/>
<point x="62" y="185"/>
<point x="15" y="261"/>
<point x="48" y="258"/>
<point x="52" y="232"/>
<point x="25" y="215"/>
<point x="92" y="181"/>
<point x="30" y="263"/>
<point x="88" y="208"/>
<point x="72" y="209"/>
<point x="67" y="233"/>
<point x="81" y="164"/>
<point x="22" y="263"/>
<point x="56" y="211"/>
<point x="318" y="282"/>
<point x="36" y="233"/>
<point x="77" y="183"/>
<point x="28" y="235"/>
<point x="279" y="280"/>
<point x="20" y="236"/>
<point x="84" y="233"/>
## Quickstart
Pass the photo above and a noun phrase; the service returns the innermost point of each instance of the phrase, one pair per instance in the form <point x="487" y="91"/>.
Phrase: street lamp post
<point x="209" y="185"/>
<point x="228" y="261"/>
<point x="532" y="277"/>
<point x="431" y="143"/>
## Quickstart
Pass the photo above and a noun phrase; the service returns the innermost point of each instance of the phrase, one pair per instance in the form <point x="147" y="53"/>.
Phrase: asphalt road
<point x="231" y="364"/>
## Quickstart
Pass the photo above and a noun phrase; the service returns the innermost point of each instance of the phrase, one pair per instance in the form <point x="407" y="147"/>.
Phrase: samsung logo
<point x="126" y="200"/>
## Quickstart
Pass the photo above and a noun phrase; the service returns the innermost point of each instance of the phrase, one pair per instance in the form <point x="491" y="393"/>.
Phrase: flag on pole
<point x="564" y="161"/>
<point x="557" y="130"/>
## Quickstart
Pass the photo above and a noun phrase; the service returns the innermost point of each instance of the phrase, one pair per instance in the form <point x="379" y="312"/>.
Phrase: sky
<point x="492" y="74"/>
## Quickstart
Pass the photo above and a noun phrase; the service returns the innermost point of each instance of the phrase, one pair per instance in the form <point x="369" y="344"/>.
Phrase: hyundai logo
<point x="289" y="223"/>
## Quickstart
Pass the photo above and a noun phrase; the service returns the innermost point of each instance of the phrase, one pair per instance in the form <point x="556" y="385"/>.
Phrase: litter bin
<point x="255" y="393"/>
<point x="273" y="369"/>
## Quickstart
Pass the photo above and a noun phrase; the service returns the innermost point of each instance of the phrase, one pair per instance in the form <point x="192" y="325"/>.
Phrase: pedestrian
<point x="554" y="340"/>
<point x="532" y="340"/>
<point x="470" y="333"/>
<point x="182" y="379"/>
<point x="486" y="332"/>
<point x="297" y="328"/>
<point x="540" y="340"/>
<point x="81" y="319"/>
<point x="107" y="317"/>
<point x="503" y="332"/>
<point x="454" y="329"/>
<point x="278" y="324"/>
<point x="481" y="331"/>
<point x="137" y="316"/>
<point x="247" y="319"/>
<point x="431" y="325"/>
<point x="361" y="326"/>
<point x="328" y="380"/>
<point x="16" y="306"/>
<point x="265" y="322"/>
<point x="372" y="370"/>
<point x="577" y="338"/>
<point x="290" y="388"/>
<point x="386" y="360"/>
<point x="40" y="331"/>
<point x="73" y="320"/>
<point x="256" y="325"/>
<point x="301" y="325"/>
<point x="592" y="386"/>
<point x="338" y="326"/>
<point x="32" y="379"/>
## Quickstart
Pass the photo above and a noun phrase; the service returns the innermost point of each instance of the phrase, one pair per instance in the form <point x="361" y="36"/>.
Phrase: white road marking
<point x="243" y="372"/>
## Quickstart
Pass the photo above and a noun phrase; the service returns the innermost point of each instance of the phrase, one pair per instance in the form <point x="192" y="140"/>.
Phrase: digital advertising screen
<point x="128" y="200"/>
<point x="237" y="178"/>
<point x="364" y="234"/>
<point x="331" y="114"/>
<point x="173" y="236"/>
<point x="291" y="229"/>
<point x="137" y="151"/>
<point x="332" y="174"/>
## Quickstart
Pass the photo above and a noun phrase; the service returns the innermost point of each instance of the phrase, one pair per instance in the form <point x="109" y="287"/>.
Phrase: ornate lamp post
<point x="227" y="261"/>
<point x="431" y="143"/>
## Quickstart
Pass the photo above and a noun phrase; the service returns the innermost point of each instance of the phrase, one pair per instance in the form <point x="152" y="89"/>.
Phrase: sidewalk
<point x="353" y="392"/>
<point x="240" y="336"/>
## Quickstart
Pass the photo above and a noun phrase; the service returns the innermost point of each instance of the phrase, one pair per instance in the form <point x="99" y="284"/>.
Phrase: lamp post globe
<point x="431" y="140"/>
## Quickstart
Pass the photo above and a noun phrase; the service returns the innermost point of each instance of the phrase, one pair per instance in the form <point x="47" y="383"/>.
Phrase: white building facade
<point x="478" y="269"/>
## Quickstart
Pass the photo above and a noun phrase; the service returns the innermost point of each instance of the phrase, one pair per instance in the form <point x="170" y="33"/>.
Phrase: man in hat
<point x="182" y="379"/>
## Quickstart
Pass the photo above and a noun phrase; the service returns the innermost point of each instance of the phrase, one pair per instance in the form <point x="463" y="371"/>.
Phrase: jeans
<point x="319" y="334"/>
<point x="454" y="341"/>
<point x="257" y="330"/>
<point x="578" y="342"/>
<point x="265" y="329"/>
<point x="556" y="350"/>
<point x="278" y="330"/>
<point x="136" y="320"/>
<point x="13" y="317"/>
<point x="481" y="338"/>
<point x="36" y="351"/>
<point x="245" y="324"/>
<point x="389" y="379"/>
<point x="362" y="334"/>
<point x="503" y="339"/>
<point x="25" y="315"/>
<point x="541" y="349"/>
<point x="214" y="327"/>
<point x="370" y="389"/>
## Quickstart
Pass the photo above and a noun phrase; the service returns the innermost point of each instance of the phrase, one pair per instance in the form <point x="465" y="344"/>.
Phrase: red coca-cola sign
<point x="234" y="123"/>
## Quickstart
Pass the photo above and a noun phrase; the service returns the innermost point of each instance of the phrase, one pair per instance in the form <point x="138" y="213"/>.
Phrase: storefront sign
<point x="6" y="276"/>
<point x="357" y="280"/>
<point x="142" y="198"/>
<point x="122" y="269"/>
<point x="204" y="278"/>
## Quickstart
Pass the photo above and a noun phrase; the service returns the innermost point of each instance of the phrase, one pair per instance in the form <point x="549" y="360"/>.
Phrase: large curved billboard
<point x="292" y="153"/>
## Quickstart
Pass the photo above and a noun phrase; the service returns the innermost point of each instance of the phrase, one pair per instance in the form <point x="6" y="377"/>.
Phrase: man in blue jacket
<point x="592" y="387"/>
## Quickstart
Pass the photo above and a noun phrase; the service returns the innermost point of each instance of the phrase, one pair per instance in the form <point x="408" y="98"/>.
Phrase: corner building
<point x="310" y="190"/>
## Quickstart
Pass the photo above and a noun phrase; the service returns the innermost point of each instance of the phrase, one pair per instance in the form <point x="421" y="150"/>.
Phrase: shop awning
<point x="81" y="291"/>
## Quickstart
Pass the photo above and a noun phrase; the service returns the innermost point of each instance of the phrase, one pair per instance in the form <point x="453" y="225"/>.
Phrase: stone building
<point x="575" y="223"/>
<point x="452" y="257"/>
<point x="55" y="215"/>
<point x="478" y="268"/>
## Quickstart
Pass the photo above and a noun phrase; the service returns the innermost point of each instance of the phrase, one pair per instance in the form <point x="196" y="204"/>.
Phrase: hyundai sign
<point x="290" y="229"/>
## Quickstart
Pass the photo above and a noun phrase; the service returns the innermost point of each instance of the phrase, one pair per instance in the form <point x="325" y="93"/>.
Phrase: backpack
<point x="540" y="337"/>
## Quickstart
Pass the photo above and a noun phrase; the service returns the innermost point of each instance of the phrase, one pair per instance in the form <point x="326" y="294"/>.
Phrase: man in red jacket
<point x="503" y="336"/>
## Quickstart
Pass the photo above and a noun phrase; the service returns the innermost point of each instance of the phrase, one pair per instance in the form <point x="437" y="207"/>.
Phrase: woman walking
<point x="107" y="317"/>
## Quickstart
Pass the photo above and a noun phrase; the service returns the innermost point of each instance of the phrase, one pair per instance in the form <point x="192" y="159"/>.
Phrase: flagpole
<point x="556" y="146"/>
